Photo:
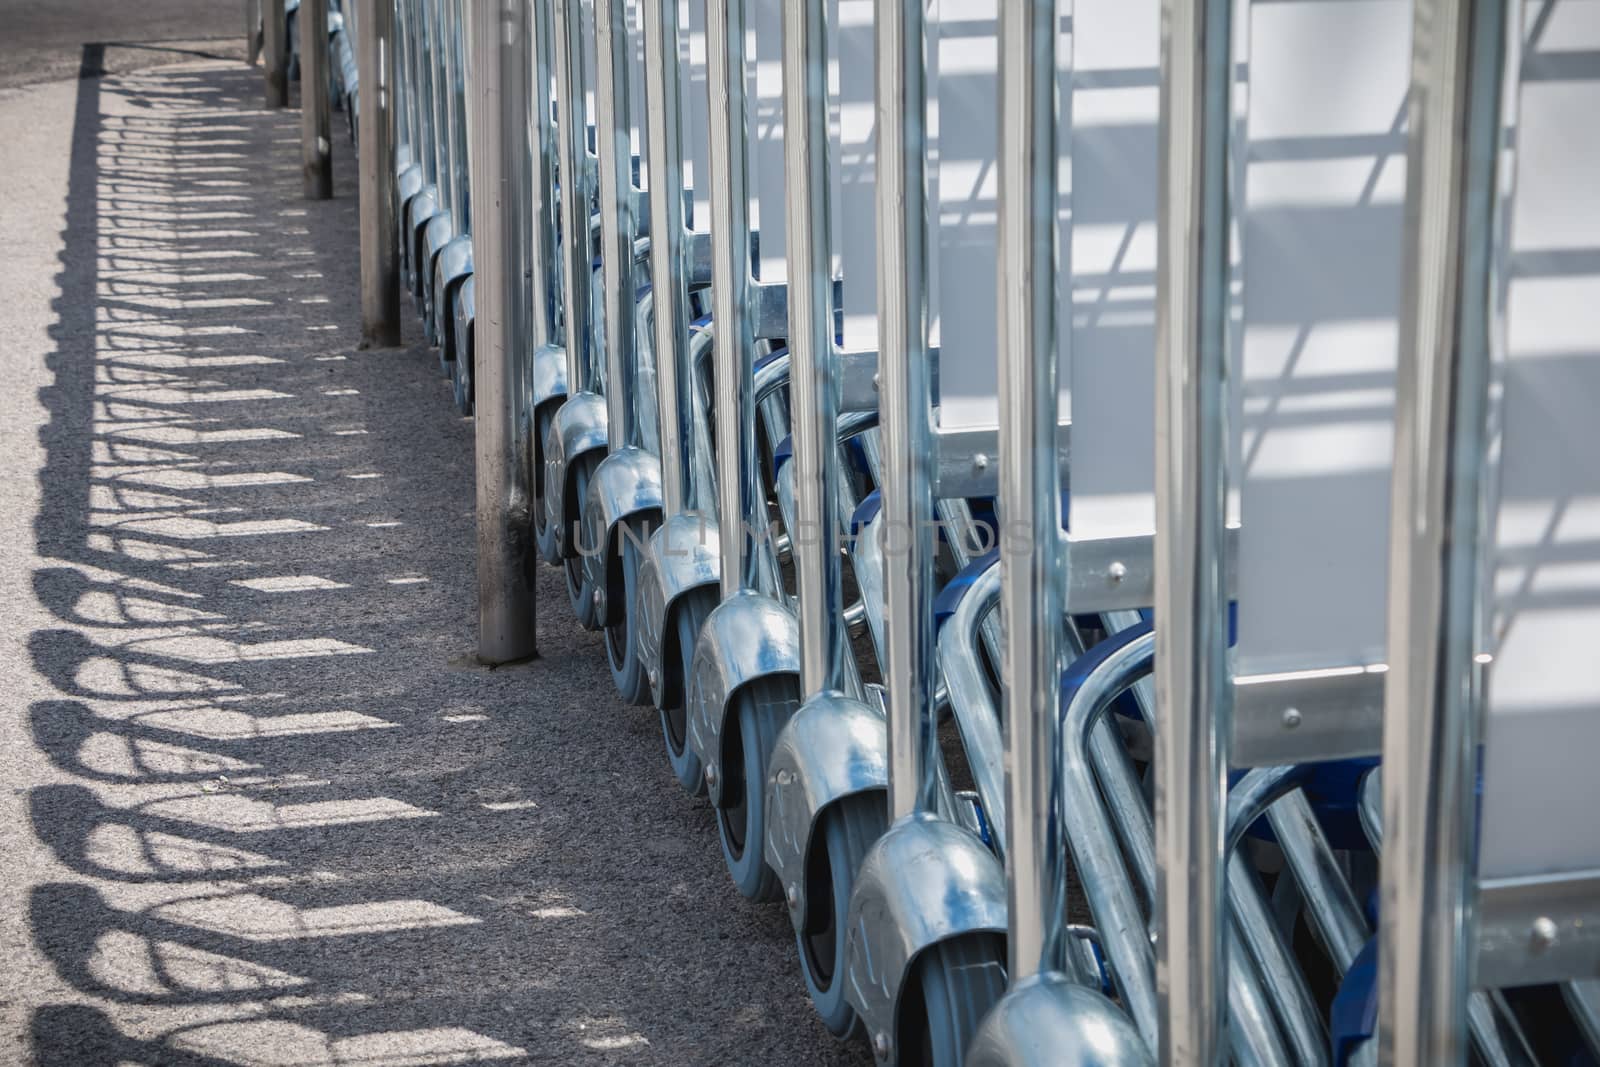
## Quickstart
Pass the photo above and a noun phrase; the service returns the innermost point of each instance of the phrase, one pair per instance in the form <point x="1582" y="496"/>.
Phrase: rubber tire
<point x="849" y="828"/>
<point x="760" y="709"/>
<point x="461" y="383"/>
<point x="544" y="531"/>
<point x="690" y="615"/>
<point x="958" y="981"/>
<point x="621" y="638"/>
<point x="580" y="593"/>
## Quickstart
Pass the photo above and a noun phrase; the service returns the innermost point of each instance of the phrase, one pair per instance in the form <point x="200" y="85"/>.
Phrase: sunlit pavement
<point x="261" y="807"/>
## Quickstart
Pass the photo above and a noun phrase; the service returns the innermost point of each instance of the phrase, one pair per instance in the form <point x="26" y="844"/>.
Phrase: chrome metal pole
<point x="907" y="402"/>
<point x="438" y="139"/>
<point x="403" y="90"/>
<point x="1432" y="698"/>
<point x="1031" y="557"/>
<point x="738" y="464"/>
<point x="613" y="139"/>
<point x="380" y="258"/>
<point x="498" y="112"/>
<point x="316" y="125"/>
<point x="275" y="53"/>
<point x="576" y="245"/>
<point x="539" y="259"/>
<point x="455" y="73"/>
<point x="825" y="654"/>
<point x="1191" y="603"/>
<point x="668" y="270"/>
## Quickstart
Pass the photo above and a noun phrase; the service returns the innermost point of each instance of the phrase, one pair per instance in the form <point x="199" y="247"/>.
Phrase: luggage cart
<point x="623" y="500"/>
<point x="576" y="441"/>
<point x="744" y="678"/>
<point x="678" y="577"/>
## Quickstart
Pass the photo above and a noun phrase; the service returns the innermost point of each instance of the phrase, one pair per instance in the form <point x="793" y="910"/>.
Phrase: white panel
<point x="1320" y="228"/>
<point x="1115" y="108"/>
<point x="636" y="100"/>
<point x="1541" y="789"/>
<point x="696" y="116"/>
<point x="964" y="91"/>
<point x="854" y="154"/>
<point x="764" y="55"/>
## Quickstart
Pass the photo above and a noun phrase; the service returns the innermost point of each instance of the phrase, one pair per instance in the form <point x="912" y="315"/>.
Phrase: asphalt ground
<point x="43" y="40"/>
<point x="260" y="806"/>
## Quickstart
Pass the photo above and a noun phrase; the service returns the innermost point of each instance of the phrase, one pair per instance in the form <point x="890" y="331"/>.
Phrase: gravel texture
<point x="261" y="807"/>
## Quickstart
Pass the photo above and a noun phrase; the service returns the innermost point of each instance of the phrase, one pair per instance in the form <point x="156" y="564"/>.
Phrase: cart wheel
<point x="580" y="593"/>
<point x="959" y="981"/>
<point x="692" y="609"/>
<point x="849" y="828"/>
<point x="622" y="646"/>
<point x="544" y="531"/>
<point x="759" y="711"/>
<point x="461" y="379"/>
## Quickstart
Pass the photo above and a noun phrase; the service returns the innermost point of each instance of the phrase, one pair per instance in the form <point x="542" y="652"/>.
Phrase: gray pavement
<point x="43" y="40"/>
<point x="260" y="807"/>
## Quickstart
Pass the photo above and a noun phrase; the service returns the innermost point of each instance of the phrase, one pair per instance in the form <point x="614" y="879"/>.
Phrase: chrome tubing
<point x="743" y="549"/>
<point x="1191" y="757"/>
<point x="618" y="228"/>
<point x="827" y="663"/>
<point x="906" y="417"/>
<point x="1032" y="566"/>
<point x="577" y="251"/>
<point x="669" y="269"/>
<point x="1433" y="703"/>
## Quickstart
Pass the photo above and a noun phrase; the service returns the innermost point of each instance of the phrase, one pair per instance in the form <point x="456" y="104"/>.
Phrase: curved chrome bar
<point x="968" y="691"/>
<point x="1095" y="854"/>
<point x="1092" y="684"/>
<point x="1255" y="792"/>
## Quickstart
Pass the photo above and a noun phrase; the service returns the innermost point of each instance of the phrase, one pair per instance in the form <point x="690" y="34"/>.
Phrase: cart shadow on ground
<point x="290" y="823"/>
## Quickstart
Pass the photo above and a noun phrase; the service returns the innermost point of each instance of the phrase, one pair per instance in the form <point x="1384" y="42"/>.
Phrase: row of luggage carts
<point x="1101" y="493"/>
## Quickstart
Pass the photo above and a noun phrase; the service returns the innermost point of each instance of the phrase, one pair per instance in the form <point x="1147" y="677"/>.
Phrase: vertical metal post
<point x="380" y="262"/>
<point x="252" y="31"/>
<point x="497" y="112"/>
<point x="664" y="142"/>
<point x="1191" y="603"/>
<point x="453" y="38"/>
<point x="275" y="53"/>
<point x="738" y="482"/>
<point x="316" y="136"/>
<point x="539" y="258"/>
<point x="813" y="392"/>
<point x="576" y="246"/>
<point x="613" y="117"/>
<point x="1432" y="698"/>
<point x="1032" y="575"/>
<point x="904" y="363"/>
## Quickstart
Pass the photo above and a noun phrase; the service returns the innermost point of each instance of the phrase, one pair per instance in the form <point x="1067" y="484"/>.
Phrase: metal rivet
<point x="597" y="598"/>
<point x="711" y="775"/>
<point x="880" y="1045"/>
<point x="874" y="383"/>
<point x="785" y="777"/>
<point x="792" y="897"/>
<point x="1117" y="571"/>
<point x="980" y="462"/>
<point x="655" y="679"/>
<point x="1544" y="932"/>
<point x="1291" y="718"/>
